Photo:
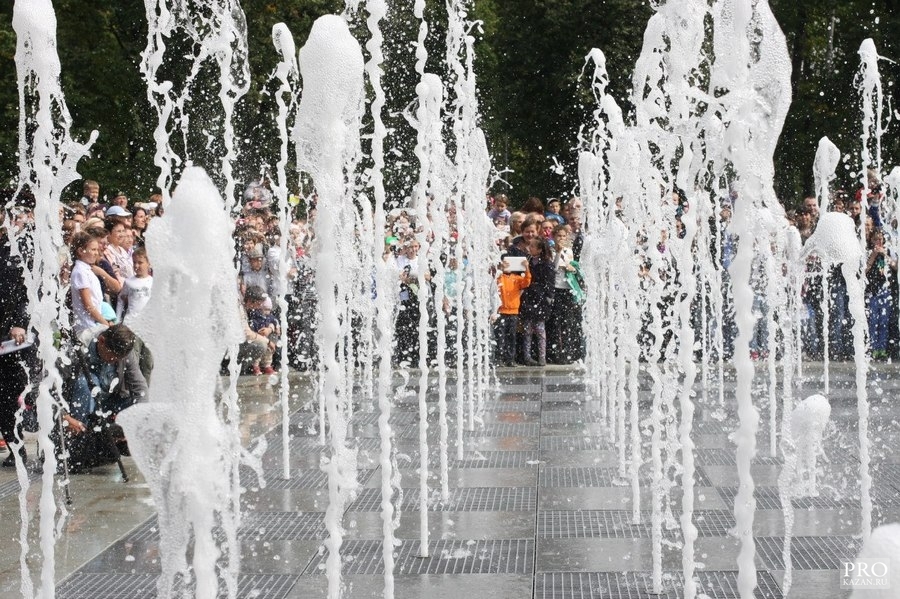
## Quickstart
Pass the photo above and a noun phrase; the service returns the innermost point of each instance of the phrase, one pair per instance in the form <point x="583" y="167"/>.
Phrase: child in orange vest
<point x="510" y="285"/>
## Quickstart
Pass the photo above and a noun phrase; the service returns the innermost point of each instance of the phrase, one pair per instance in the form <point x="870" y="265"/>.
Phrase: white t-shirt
<point x="84" y="278"/>
<point x="136" y="291"/>
<point x="563" y="257"/>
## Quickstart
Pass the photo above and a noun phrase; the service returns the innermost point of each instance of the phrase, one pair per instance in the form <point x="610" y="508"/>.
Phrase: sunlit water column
<point x="872" y="103"/>
<point x="475" y="250"/>
<point x="287" y="73"/>
<point x="194" y="315"/>
<point x="385" y="285"/>
<point x="48" y="158"/>
<point x="428" y="91"/>
<point x="826" y="161"/>
<point x="793" y="268"/>
<point x="328" y="138"/>
<point x="753" y="65"/>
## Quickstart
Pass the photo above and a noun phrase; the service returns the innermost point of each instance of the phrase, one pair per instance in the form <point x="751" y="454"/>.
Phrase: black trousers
<point x="13" y="380"/>
<point x="565" y="341"/>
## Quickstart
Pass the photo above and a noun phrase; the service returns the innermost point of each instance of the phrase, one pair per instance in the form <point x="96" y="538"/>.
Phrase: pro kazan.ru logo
<point x="866" y="573"/>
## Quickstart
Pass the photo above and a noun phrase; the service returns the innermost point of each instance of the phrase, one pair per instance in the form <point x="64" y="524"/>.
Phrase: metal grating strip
<point x="638" y="585"/>
<point x="507" y="429"/>
<point x="282" y="526"/>
<point x="143" y="586"/>
<point x="600" y="477"/>
<point x="807" y="553"/>
<point x="889" y="474"/>
<point x="464" y="499"/>
<point x="767" y="498"/>
<point x="618" y="524"/>
<point x="565" y="387"/>
<point x="574" y="443"/>
<point x="718" y="456"/>
<point x="371" y="418"/>
<point x="10" y="488"/>
<point x="571" y="417"/>
<point x="710" y="428"/>
<point x="306" y="479"/>
<point x="500" y="429"/>
<point x="481" y="459"/>
<point x="310" y="444"/>
<point x="107" y="586"/>
<point x="148" y="531"/>
<point x="512" y="406"/>
<point x="513" y="556"/>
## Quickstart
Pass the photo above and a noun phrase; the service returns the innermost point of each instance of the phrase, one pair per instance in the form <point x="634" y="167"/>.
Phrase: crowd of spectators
<point x="107" y="277"/>
<point x="881" y="290"/>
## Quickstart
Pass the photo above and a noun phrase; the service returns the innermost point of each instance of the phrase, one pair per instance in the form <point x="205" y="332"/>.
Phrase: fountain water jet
<point x="327" y="135"/>
<point x="194" y="298"/>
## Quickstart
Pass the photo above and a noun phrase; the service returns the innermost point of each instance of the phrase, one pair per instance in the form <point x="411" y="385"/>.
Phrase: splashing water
<point x="48" y="158"/>
<point x="194" y="299"/>
<point x="287" y="73"/>
<point x="327" y="134"/>
<point x="808" y="422"/>
<point x="883" y="547"/>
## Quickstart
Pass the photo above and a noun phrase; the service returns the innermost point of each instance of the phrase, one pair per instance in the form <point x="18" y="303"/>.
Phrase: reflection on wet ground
<point x="536" y="506"/>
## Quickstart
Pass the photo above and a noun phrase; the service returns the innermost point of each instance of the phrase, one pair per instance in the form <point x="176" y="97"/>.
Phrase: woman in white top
<point x="563" y="325"/>
<point x="87" y="296"/>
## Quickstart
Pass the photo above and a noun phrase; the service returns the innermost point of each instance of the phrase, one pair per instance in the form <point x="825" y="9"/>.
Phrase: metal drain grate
<point x="767" y="499"/>
<point x="107" y="586"/>
<point x="637" y="585"/>
<point x="618" y="524"/>
<point x="143" y="586"/>
<point x="8" y="489"/>
<point x="148" y="531"/>
<point x="606" y="524"/>
<point x="807" y="553"/>
<point x="713" y="523"/>
<point x="565" y="387"/>
<point x="310" y="444"/>
<point x="371" y="418"/>
<point x="308" y="479"/>
<point x="574" y="443"/>
<point x="718" y="456"/>
<point x="304" y="419"/>
<point x="890" y="474"/>
<point x="885" y="495"/>
<point x="512" y="407"/>
<point x="465" y="499"/>
<point x="482" y="459"/>
<point x="602" y="477"/>
<point x="514" y="389"/>
<point x="710" y="428"/>
<point x="578" y="477"/>
<point x="283" y="526"/>
<point x="500" y="429"/>
<point x="571" y="417"/>
<point x="507" y="429"/>
<point x="515" y="556"/>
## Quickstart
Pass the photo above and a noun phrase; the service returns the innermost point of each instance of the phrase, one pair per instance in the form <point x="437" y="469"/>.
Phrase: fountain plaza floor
<point x="535" y="508"/>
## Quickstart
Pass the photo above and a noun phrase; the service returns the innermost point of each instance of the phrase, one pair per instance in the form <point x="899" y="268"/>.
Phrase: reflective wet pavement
<point x="536" y="507"/>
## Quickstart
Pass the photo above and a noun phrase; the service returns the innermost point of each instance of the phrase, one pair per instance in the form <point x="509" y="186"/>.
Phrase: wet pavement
<point x="536" y="507"/>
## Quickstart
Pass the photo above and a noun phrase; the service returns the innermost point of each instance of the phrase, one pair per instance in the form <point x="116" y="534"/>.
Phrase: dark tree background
<point x="533" y="96"/>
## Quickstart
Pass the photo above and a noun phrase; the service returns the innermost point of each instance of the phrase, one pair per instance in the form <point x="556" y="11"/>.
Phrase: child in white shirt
<point x="136" y="290"/>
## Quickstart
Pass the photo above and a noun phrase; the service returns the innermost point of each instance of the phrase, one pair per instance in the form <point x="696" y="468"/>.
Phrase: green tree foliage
<point x="534" y="97"/>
